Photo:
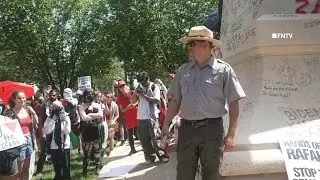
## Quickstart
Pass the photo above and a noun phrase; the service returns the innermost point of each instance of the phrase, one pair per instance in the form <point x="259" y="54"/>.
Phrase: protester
<point x="2" y="107"/>
<point x="25" y="114"/>
<point x="163" y="103"/>
<point x="45" y="111"/>
<point x="147" y="94"/>
<point x="57" y="128"/>
<point x="112" y="115"/>
<point x="92" y="135"/>
<point x="130" y="112"/>
<point x="9" y="159"/>
<point x="121" y="119"/>
<point x="70" y="106"/>
<point x="203" y="87"/>
<point x="37" y="108"/>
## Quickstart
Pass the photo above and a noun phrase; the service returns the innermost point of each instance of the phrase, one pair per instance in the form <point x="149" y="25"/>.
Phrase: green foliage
<point x="147" y="32"/>
<point x="104" y="82"/>
<point x="54" y="42"/>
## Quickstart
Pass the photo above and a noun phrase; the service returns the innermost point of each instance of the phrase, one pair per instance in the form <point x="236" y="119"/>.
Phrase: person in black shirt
<point x="91" y="122"/>
<point x="45" y="111"/>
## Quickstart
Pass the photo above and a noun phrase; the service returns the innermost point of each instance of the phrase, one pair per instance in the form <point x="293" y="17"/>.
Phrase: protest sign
<point x="10" y="134"/>
<point x="84" y="83"/>
<point x="302" y="158"/>
<point x="32" y="165"/>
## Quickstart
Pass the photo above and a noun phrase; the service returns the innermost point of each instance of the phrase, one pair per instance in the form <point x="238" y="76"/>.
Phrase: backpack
<point x="153" y="86"/>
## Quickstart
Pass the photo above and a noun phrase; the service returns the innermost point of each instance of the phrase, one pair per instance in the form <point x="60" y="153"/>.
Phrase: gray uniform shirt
<point x="204" y="91"/>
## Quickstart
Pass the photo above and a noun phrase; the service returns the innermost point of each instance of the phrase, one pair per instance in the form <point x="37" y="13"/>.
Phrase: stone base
<point x="274" y="176"/>
<point x="252" y="162"/>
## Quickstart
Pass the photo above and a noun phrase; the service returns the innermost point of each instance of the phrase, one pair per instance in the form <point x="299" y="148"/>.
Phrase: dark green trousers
<point x="147" y="138"/>
<point x="200" y="141"/>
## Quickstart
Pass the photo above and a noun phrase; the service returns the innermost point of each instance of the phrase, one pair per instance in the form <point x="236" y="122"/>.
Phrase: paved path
<point x="119" y="159"/>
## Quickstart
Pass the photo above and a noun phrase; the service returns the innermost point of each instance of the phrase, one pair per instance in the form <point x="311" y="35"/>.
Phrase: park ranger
<point x="203" y="87"/>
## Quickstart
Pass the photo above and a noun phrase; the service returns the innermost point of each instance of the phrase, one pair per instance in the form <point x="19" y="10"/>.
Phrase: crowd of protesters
<point x="196" y="101"/>
<point x="96" y="119"/>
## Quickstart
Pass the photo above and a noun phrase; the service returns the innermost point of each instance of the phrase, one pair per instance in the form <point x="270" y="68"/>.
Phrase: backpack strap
<point x="153" y="86"/>
<point x="31" y="114"/>
<point x="10" y="113"/>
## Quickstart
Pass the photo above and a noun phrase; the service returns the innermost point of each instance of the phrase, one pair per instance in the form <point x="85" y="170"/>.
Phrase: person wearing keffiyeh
<point x="58" y="124"/>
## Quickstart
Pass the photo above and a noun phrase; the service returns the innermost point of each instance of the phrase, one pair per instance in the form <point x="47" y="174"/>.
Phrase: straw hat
<point x="200" y="33"/>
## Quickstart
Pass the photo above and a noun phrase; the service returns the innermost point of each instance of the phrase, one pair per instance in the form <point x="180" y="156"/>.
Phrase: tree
<point x="54" y="42"/>
<point x="104" y="82"/>
<point x="146" y="33"/>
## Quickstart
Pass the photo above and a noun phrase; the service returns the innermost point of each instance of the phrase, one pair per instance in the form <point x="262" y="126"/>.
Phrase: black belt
<point x="201" y="122"/>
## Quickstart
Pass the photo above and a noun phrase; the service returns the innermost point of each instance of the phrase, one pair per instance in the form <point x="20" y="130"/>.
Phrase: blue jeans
<point x="26" y="150"/>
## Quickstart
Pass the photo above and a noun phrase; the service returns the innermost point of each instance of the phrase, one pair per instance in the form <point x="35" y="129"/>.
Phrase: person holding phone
<point x="57" y="128"/>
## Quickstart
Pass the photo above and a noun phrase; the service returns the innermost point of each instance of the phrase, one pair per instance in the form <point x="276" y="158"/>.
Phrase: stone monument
<point x="274" y="48"/>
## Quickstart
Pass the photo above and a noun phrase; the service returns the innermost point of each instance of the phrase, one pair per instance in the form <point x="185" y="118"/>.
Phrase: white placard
<point x="302" y="158"/>
<point x="10" y="134"/>
<point x="32" y="165"/>
<point x="84" y="83"/>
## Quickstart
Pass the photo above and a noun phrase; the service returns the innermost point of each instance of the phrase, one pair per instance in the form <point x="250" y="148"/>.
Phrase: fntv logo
<point x="282" y="35"/>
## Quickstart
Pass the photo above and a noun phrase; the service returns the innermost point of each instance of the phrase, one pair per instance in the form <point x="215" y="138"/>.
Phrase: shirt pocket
<point x="212" y="86"/>
<point x="186" y="85"/>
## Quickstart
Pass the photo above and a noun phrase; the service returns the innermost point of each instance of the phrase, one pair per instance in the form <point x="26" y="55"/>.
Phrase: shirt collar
<point x="211" y="62"/>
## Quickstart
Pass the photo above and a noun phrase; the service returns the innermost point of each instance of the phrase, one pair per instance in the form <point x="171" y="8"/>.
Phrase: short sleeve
<point x="156" y="92"/>
<point x="232" y="88"/>
<point x="175" y="89"/>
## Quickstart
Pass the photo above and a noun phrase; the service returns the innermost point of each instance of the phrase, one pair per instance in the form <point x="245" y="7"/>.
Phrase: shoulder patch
<point x="233" y="75"/>
<point x="222" y="62"/>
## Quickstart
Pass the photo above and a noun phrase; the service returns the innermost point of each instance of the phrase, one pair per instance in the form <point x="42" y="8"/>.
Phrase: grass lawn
<point x="76" y="168"/>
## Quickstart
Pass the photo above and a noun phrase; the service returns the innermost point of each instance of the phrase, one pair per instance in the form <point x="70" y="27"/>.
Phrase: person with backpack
<point x="57" y="128"/>
<point x="147" y="94"/>
<point x="163" y="103"/>
<point x="25" y="115"/>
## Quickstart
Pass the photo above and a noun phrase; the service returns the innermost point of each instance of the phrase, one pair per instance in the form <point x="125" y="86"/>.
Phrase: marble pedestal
<point x="275" y="53"/>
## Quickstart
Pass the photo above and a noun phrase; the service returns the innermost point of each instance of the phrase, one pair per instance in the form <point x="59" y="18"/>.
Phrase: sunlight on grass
<point x="76" y="168"/>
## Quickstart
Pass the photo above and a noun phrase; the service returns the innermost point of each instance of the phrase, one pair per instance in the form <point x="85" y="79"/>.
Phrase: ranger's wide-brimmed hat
<point x="200" y="33"/>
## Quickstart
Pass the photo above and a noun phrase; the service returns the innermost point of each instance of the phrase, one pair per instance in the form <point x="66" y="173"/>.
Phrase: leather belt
<point x="202" y="122"/>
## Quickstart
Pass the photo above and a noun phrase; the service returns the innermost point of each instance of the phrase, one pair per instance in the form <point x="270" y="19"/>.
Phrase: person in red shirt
<point x="24" y="114"/>
<point x="130" y="111"/>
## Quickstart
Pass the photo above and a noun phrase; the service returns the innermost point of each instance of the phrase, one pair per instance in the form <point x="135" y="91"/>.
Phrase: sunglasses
<point x="121" y="86"/>
<point x="194" y="43"/>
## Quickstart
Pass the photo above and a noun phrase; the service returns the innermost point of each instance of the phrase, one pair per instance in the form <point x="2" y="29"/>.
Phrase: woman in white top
<point x="59" y="123"/>
<point x="112" y="115"/>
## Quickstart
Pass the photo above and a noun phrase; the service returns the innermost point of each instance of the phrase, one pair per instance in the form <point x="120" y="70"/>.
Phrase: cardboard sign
<point x="84" y="83"/>
<point x="10" y="133"/>
<point x="302" y="158"/>
<point x="32" y="165"/>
